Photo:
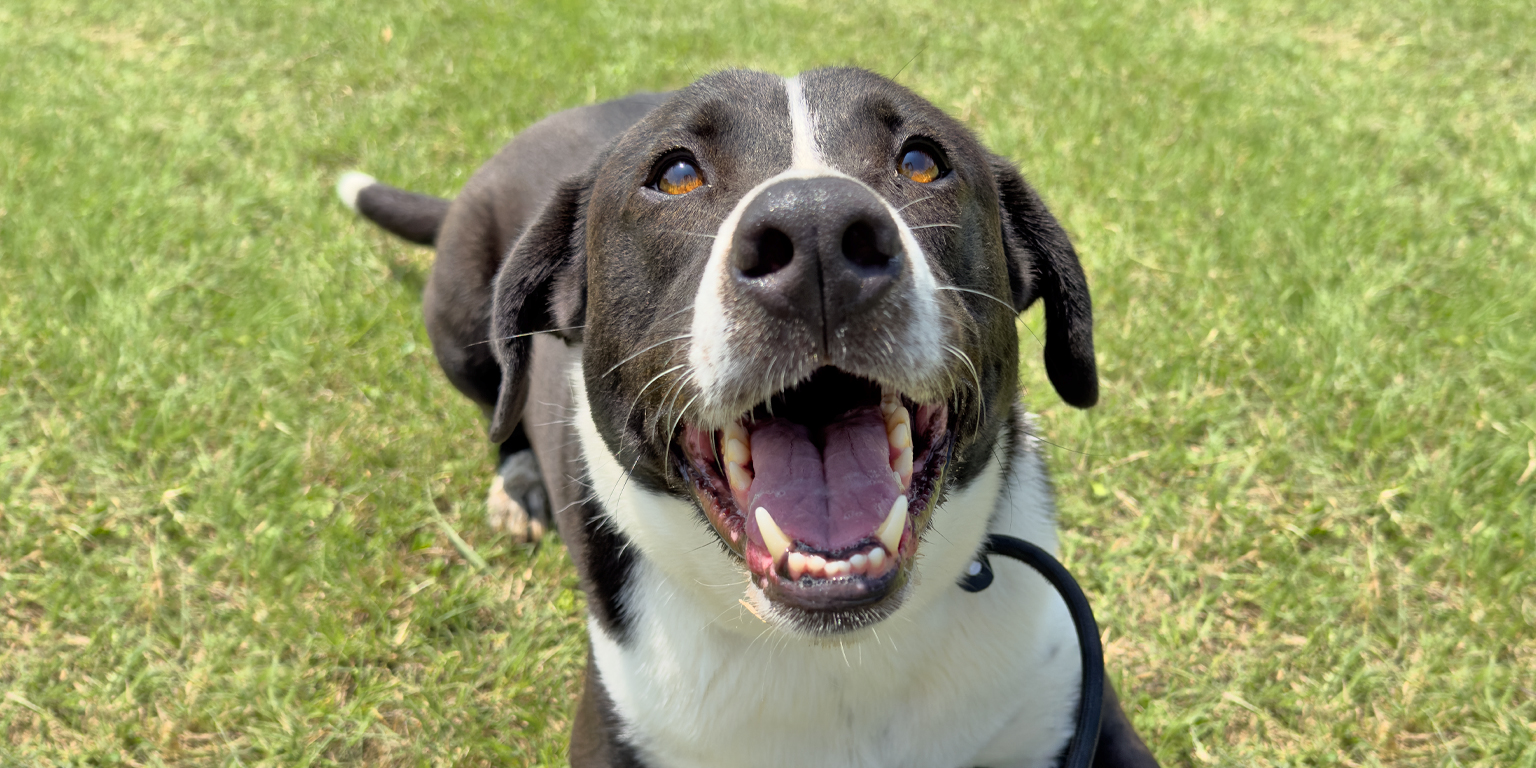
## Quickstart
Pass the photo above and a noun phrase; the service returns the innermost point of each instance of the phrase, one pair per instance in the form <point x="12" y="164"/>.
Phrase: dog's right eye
<point x="679" y="177"/>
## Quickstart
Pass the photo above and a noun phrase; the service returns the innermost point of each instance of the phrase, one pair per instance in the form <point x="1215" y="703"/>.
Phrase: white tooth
<point x="876" y="560"/>
<point x="838" y="569"/>
<point x="737" y="451"/>
<point x="903" y="468"/>
<point x="898" y="415"/>
<point x="773" y="538"/>
<point x="900" y="436"/>
<point x="738" y="476"/>
<point x="896" y="522"/>
<point x="889" y="402"/>
<point x="816" y="565"/>
<point x="796" y="563"/>
<point x="859" y="563"/>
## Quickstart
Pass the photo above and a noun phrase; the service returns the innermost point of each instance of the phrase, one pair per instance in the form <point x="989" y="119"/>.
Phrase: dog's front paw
<point x="517" y="504"/>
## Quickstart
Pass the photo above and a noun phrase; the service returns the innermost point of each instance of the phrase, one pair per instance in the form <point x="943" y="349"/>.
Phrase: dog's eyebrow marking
<point x="804" y="153"/>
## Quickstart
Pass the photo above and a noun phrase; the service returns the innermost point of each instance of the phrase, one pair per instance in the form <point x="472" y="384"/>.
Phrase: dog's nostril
<point x="861" y="246"/>
<point x="773" y="252"/>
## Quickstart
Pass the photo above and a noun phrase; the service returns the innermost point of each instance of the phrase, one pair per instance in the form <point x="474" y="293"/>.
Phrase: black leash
<point x="1085" y="738"/>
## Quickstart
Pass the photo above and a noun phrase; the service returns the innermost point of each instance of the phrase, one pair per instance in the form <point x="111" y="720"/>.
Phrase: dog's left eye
<point x="679" y="178"/>
<point x="919" y="164"/>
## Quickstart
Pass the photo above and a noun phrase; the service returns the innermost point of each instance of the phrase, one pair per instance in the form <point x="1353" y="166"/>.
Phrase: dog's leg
<point x="517" y="503"/>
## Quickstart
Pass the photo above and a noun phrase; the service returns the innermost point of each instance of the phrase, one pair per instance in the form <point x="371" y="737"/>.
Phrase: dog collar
<point x="978" y="576"/>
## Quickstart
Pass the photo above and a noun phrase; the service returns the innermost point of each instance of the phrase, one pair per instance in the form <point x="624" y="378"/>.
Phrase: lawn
<point x="1305" y="507"/>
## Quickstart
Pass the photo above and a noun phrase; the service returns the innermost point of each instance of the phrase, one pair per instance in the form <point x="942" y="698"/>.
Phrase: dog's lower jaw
<point x="950" y="679"/>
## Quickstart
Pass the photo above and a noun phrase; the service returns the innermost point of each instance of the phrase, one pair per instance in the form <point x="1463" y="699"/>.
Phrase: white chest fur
<point x="951" y="679"/>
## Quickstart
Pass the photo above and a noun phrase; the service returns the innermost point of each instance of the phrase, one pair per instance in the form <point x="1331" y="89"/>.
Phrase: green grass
<point x="1304" y="507"/>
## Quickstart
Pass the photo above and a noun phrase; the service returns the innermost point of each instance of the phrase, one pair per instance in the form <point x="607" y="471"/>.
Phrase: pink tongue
<point x="829" y="499"/>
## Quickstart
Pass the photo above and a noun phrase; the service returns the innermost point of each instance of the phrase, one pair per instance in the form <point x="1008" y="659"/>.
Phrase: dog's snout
<point x="823" y="247"/>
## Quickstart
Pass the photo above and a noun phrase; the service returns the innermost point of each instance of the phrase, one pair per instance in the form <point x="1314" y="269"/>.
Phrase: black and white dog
<point x="761" y="336"/>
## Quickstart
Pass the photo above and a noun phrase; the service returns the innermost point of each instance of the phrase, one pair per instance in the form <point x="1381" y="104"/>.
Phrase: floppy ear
<point x="1043" y="265"/>
<point x="541" y="286"/>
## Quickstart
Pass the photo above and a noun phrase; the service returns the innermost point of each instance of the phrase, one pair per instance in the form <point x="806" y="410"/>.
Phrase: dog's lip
<point x="831" y="575"/>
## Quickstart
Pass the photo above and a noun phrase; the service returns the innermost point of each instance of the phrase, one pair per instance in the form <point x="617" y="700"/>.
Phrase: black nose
<point x="816" y="248"/>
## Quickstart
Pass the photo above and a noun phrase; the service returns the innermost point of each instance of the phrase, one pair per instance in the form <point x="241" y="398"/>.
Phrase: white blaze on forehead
<point x="804" y="151"/>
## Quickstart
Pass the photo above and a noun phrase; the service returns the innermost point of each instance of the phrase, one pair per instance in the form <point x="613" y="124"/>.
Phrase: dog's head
<point x="797" y="304"/>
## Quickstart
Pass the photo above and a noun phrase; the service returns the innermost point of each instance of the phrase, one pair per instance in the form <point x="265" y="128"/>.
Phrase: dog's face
<point x="798" y="304"/>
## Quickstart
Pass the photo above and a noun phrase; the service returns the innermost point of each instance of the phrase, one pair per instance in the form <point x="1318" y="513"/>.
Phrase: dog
<point x="751" y="348"/>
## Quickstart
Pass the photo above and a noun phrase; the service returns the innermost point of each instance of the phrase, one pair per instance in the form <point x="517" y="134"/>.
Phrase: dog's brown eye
<point x="918" y="165"/>
<point x="680" y="178"/>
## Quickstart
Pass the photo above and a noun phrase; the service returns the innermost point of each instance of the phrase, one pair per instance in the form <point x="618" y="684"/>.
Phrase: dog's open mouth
<point x="824" y="490"/>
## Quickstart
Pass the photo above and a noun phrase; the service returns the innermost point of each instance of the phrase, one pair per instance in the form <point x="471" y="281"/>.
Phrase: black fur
<point x="542" y="287"/>
<point x="415" y="217"/>
<point x="1043" y="265"/>
<point x="609" y="559"/>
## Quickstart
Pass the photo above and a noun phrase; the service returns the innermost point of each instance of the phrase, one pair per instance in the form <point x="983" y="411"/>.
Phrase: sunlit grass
<point x="1304" y="507"/>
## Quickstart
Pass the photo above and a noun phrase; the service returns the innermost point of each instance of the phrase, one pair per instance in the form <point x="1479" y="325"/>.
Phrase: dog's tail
<point x="414" y="217"/>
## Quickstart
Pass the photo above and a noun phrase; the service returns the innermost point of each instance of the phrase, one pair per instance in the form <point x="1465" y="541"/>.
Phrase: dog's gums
<point x="824" y="490"/>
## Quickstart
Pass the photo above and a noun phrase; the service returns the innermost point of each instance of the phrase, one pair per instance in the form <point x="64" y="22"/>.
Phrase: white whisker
<point x="979" y="293"/>
<point x="521" y="335"/>
<point x="645" y="350"/>
<point x="648" y="384"/>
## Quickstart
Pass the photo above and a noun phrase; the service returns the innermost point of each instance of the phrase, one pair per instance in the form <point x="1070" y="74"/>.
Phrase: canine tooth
<point x="738" y="476"/>
<point x="876" y="560"/>
<point x="734" y="432"/>
<point x="816" y="565"/>
<point x="895" y="523"/>
<point x="859" y="563"/>
<point x="773" y="538"/>
<point x="903" y="468"/>
<point x="796" y="563"/>
<point x="900" y="436"/>
<point x="736" y="451"/>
